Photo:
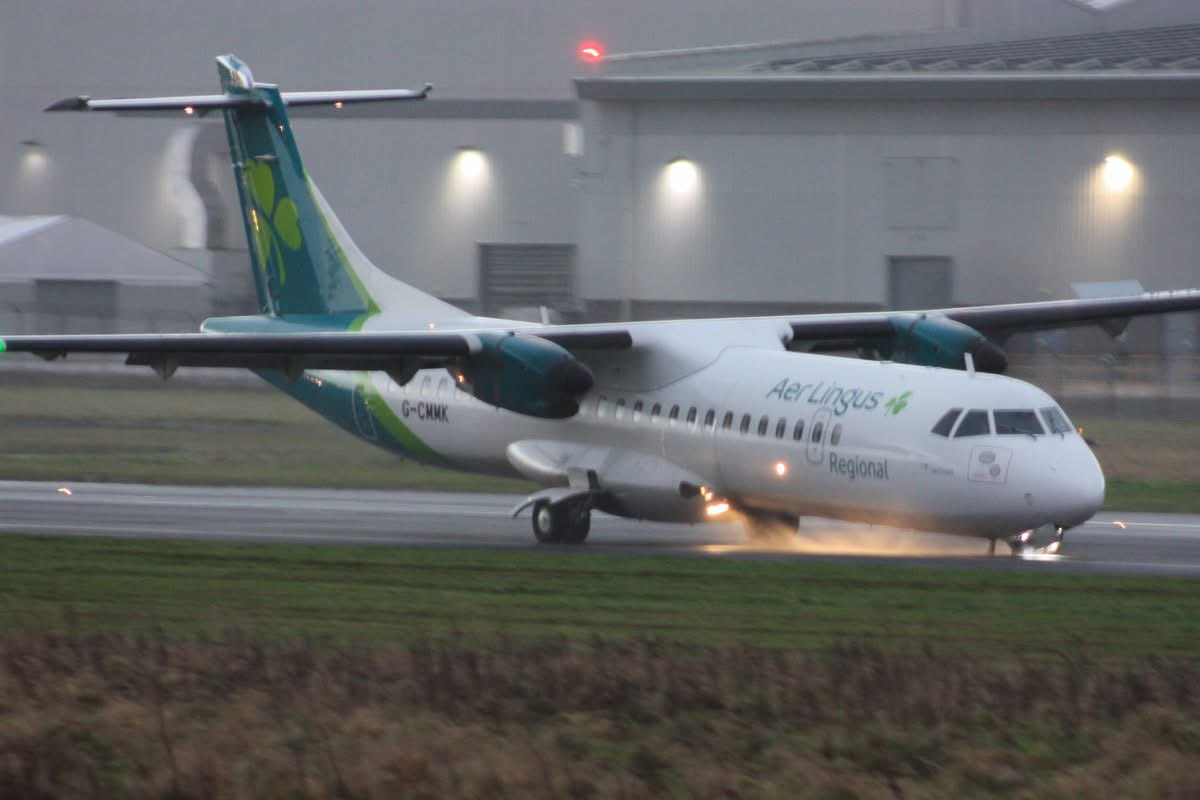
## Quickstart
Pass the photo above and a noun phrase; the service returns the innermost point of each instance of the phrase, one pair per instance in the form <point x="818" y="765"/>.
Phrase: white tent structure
<point x="61" y="274"/>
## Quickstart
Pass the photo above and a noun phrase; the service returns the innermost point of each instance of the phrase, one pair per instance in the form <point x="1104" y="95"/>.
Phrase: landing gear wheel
<point x="561" y="523"/>
<point x="581" y="525"/>
<point x="770" y="529"/>
<point x="549" y="527"/>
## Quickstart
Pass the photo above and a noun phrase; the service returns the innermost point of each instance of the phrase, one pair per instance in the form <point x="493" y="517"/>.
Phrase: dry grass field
<point x="149" y="717"/>
<point x="159" y="669"/>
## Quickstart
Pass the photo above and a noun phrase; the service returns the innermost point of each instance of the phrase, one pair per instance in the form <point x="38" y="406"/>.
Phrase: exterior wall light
<point x="470" y="163"/>
<point x="682" y="176"/>
<point x="1117" y="174"/>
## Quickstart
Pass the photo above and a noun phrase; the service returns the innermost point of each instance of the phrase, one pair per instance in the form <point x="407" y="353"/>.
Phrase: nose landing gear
<point x="1044" y="541"/>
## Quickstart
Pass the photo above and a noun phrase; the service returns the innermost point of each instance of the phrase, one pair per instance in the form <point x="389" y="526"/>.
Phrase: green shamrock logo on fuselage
<point x="897" y="404"/>
<point x="275" y="224"/>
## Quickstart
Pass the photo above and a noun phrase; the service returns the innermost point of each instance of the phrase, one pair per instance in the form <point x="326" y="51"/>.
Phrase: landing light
<point x="338" y="104"/>
<point x="716" y="509"/>
<point x="781" y="468"/>
<point x="64" y="490"/>
<point x="1120" y="524"/>
<point x="189" y="110"/>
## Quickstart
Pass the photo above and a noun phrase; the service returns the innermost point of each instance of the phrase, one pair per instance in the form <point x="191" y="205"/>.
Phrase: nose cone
<point x="1079" y="488"/>
<point x="988" y="357"/>
<point x="572" y="377"/>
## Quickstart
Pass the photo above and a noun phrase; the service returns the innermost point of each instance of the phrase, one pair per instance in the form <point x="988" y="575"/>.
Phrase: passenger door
<point x="363" y="420"/>
<point x="818" y="432"/>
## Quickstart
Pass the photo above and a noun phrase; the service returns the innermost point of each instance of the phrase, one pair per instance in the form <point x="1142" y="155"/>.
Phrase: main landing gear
<point x="565" y="522"/>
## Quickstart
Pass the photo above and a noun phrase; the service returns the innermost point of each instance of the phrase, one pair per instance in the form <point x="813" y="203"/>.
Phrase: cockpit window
<point x="1056" y="421"/>
<point x="1017" y="422"/>
<point x="946" y="423"/>
<point x="974" y="423"/>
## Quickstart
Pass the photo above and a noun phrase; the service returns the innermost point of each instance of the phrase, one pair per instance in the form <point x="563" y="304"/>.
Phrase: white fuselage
<point x="866" y="450"/>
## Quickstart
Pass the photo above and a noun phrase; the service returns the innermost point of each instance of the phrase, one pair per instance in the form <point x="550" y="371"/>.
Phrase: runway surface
<point x="1161" y="544"/>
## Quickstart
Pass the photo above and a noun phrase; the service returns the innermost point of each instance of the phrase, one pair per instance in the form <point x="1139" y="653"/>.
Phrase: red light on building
<point x="591" y="51"/>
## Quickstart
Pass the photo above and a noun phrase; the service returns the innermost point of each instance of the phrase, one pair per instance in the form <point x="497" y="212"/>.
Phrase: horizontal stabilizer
<point x="202" y="104"/>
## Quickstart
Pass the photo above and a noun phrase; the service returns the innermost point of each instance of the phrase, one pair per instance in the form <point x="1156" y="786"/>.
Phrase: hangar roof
<point x="1171" y="47"/>
<point x="1147" y="63"/>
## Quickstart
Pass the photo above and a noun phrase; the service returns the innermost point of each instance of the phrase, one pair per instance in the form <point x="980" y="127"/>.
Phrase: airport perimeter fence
<point x="1135" y="385"/>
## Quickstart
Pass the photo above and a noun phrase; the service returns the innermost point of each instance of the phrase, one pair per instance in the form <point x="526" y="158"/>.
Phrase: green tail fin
<point x="299" y="265"/>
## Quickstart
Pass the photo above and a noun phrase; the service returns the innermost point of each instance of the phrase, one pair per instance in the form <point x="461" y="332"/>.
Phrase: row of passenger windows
<point x="638" y="411"/>
<point x="981" y="422"/>
<point x="763" y="427"/>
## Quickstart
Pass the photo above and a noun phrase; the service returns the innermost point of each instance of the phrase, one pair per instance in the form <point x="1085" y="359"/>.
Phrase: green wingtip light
<point x="3" y="345"/>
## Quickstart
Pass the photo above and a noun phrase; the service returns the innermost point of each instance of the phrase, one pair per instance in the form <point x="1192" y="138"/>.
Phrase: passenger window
<point x="620" y="413"/>
<point x="763" y="424"/>
<point x="974" y="423"/>
<point x="835" y="435"/>
<point x="443" y="385"/>
<point x="745" y="426"/>
<point x="674" y="415"/>
<point x="426" y="385"/>
<point x="780" y="428"/>
<point x="817" y="430"/>
<point x="727" y="422"/>
<point x="602" y="406"/>
<point x="798" y="433"/>
<point x="946" y="423"/>
<point x="637" y="410"/>
<point x="1017" y="422"/>
<point x="691" y="417"/>
<point x="655" y="411"/>
<point x="1056" y="421"/>
<point x="710" y="419"/>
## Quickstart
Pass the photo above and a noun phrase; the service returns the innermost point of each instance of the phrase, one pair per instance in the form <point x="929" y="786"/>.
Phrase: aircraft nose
<point x="1079" y="488"/>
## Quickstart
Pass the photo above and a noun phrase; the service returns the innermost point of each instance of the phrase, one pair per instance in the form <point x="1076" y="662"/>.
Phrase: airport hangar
<point x="1018" y="148"/>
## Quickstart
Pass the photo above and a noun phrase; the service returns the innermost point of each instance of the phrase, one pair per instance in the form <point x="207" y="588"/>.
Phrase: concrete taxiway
<point x="1161" y="544"/>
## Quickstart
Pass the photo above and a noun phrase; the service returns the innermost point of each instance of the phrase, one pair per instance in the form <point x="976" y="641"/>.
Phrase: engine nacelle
<point x="526" y="375"/>
<point x="939" y="342"/>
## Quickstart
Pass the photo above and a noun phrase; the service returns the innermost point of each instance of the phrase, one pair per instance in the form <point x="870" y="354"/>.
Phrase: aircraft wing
<point x="294" y="352"/>
<point x="1000" y="321"/>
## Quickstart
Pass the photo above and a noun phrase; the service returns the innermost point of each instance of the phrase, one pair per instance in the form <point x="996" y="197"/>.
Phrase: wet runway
<point x="1162" y="544"/>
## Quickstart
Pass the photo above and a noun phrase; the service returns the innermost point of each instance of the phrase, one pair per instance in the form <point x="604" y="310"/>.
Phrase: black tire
<point x="579" y="524"/>
<point x="549" y="522"/>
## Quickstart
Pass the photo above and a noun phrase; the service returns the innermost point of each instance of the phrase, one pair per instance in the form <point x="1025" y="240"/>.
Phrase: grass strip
<point x="338" y="593"/>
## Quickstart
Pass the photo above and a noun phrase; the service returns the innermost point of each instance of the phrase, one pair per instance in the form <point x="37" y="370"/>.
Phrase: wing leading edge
<point x="293" y="353"/>
<point x="1001" y="321"/>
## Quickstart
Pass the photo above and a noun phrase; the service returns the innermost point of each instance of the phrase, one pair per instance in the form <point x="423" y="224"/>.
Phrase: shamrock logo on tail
<point x="275" y="224"/>
<point x="897" y="404"/>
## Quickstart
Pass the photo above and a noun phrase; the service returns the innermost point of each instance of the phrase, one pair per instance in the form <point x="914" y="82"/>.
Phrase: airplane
<point x="764" y="419"/>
